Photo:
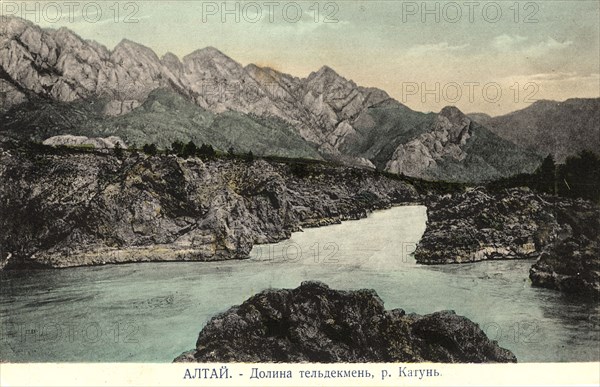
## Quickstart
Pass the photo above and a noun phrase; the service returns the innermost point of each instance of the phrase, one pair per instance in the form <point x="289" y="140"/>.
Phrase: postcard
<point x="299" y="193"/>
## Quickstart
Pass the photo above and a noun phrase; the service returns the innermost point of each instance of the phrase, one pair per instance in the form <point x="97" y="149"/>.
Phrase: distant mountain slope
<point x="52" y="82"/>
<point x="164" y="117"/>
<point x="549" y="127"/>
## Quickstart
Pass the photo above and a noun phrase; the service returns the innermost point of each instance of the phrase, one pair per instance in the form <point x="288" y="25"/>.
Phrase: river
<point x="152" y="312"/>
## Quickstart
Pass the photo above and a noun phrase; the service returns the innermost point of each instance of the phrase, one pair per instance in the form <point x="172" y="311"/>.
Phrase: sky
<point x="482" y="56"/>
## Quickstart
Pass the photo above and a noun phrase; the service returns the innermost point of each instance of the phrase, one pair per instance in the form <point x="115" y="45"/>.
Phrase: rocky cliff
<point x="571" y="266"/>
<point x="62" y="207"/>
<point x="314" y="323"/>
<point x="478" y="224"/>
<point x="94" y="142"/>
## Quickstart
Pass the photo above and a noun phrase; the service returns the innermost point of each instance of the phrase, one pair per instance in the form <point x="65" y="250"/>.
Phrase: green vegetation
<point x="189" y="150"/>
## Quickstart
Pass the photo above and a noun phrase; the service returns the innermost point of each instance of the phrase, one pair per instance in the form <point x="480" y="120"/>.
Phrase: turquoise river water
<point x="152" y="312"/>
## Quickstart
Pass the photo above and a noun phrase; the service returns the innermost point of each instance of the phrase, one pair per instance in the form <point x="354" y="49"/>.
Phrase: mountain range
<point x="561" y="129"/>
<point x="52" y="82"/>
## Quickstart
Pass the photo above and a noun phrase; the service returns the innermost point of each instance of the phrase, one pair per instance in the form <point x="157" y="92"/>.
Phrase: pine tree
<point x="207" y="152"/>
<point x="150" y="149"/>
<point x="118" y="149"/>
<point x="546" y="175"/>
<point x="189" y="150"/>
<point x="177" y="148"/>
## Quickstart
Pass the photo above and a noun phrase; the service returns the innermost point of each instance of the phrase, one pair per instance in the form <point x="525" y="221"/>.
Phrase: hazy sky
<point x="425" y="54"/>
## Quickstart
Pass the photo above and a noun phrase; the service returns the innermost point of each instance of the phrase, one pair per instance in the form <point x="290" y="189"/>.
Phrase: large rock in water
<point x="314" y="323"/>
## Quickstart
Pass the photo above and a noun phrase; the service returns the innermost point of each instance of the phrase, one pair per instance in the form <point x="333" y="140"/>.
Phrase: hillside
<point x="562" y="129"/>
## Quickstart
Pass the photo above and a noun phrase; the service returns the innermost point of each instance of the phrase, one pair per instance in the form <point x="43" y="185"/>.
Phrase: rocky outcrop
<point x="65" y="207"/>
<point x="314" y="323"/>
<point x="476" y="225"/>
<point x="572" y="262"/>
<point x="94" y="142"/>
<point x="449" y="133"/>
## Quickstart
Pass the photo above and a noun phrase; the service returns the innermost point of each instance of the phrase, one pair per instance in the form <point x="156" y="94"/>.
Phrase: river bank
<point x="64" y="208"/>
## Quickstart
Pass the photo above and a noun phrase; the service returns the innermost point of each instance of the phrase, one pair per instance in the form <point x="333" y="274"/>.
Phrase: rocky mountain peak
<point x="327" y="70"/>
<point x="210" y="63"/>
<point x="208" y="53"/>
<point x="13" y="26"/>
<point x="325" y="75"/>
<point x="454" y="115"/>
<point x="134" y="50"/>
<point x="330" y="112"/>
<point x="169" y="57"/>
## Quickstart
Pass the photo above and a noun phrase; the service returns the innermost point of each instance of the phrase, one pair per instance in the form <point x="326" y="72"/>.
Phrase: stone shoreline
<point x="562" y="234"/>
